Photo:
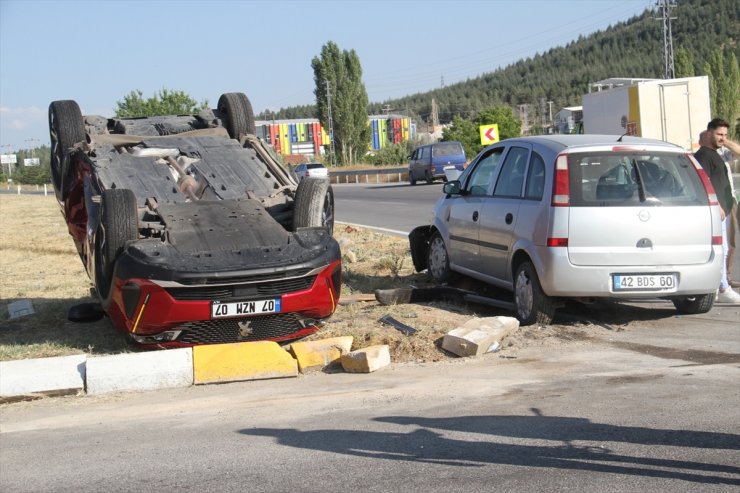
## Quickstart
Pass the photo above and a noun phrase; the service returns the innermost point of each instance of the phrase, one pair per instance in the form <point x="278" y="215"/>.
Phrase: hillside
<point x="563" y="74"/>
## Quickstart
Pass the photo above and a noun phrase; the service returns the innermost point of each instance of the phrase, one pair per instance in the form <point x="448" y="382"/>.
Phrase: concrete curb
<point x="165" y="368"/>
<point x="29" y="376"/>
<point x="140" y="371"/>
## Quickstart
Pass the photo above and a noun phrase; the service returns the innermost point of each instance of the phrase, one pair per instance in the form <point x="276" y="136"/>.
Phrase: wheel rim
<point x="524" y="294"/>
<point x="437" y="257"/>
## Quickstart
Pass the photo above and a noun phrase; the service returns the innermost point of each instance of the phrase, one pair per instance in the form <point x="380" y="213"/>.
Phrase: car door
<point x="500" y="211"/>
<point x="464" y="210"/>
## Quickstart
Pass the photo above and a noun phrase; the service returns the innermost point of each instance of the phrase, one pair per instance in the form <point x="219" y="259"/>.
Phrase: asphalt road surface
<point x="647" y="406"/>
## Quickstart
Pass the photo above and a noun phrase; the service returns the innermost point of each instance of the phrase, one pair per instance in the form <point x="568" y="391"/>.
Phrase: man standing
<point x="716" y="168"/>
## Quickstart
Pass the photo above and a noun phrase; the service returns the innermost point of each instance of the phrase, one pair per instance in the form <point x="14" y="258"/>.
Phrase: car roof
<point x="558" y="142"/>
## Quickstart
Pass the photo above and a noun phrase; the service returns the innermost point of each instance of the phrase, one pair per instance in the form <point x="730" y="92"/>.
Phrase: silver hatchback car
<point x="578" y="216"/>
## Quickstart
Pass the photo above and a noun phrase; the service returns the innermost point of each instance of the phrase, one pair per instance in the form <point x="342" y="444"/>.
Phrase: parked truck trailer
<point x="673" y="110"/>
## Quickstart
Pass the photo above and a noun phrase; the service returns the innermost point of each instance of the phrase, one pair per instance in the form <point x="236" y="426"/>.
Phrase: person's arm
<point x="733" y="146"/>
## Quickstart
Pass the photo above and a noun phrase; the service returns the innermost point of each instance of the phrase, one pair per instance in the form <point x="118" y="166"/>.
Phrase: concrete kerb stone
<point x="140" y="371"/>
<point x="366" y="360"/>
<point x="39" y="375"/>
<point x="242" y="361"/>
<point x="319" y="354"/>
<point x="477" y="335"/>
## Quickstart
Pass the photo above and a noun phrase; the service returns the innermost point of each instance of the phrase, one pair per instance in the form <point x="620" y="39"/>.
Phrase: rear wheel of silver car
<point x="314" y="205"/>
<point x="66" y="128"/>
<point x="119" y="224"/>
<point x="533" y="306"/>
<point x="438" y="261"/>
<point x="236" y="110"/>
<point x="694" y="304"/>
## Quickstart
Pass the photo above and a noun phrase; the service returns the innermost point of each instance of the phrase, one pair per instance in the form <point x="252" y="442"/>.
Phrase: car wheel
<point x="694" y="304"/>
<point x="412" y="180"/>
<point x="533" y="306"/>
<point x="237" y="113"/>
<point x="428" y="177"/>
<point x="438" y="261"/>
<point x="66" y="128"/>
<point x="314" y="205"/>
<point x="119" y="224"/>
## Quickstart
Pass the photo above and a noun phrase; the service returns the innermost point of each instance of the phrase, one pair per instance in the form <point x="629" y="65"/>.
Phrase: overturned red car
<point x="191" y="230"/>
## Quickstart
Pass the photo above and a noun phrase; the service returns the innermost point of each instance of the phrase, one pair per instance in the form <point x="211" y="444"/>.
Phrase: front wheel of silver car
<point x="438" y="261"/>
<point x="694" y="304"/>
<point x="533" y="306"/>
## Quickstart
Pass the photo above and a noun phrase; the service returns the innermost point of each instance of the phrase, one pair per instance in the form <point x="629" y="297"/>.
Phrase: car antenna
<point x="620" y="137"/>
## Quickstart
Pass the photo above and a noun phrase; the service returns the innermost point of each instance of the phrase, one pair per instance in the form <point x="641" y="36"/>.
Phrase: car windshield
<point x="447" y="149"/>
<point x="633" y="179"/>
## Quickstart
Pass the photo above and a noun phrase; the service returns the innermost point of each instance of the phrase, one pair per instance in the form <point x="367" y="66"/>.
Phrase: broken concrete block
<point x="20" y="308"/>
<point x="366" y="360"/>
<point x="318" y="354"/>
<point x="477" y="335"/>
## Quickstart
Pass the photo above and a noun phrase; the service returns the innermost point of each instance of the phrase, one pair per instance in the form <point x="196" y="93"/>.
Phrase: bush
<point x="391" y="154"/>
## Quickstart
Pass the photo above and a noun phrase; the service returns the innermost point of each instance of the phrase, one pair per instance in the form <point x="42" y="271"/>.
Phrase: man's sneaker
<point x="728" y="296"/>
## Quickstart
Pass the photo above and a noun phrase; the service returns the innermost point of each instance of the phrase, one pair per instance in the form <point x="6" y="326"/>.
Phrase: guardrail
<point x="380" y="175"/>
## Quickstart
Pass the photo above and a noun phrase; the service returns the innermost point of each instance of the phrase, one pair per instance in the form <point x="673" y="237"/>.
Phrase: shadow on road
<point x="425" y="445"/>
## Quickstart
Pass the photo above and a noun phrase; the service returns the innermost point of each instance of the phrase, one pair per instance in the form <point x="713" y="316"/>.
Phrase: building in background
<point x="568" y="119"/>
<point x="307" y="137"/>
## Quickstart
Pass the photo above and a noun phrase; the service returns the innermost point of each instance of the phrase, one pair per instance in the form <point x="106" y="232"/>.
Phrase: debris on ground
<point x="388" y="320"/>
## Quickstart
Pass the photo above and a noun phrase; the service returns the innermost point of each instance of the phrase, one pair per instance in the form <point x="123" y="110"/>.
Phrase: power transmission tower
<point x="665" y="7"/>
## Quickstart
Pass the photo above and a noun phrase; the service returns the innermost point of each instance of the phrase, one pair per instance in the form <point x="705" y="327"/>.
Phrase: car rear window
<point x="447" y="149"/>
<point x="633" y="179"/>
<point x="314" y="165"/>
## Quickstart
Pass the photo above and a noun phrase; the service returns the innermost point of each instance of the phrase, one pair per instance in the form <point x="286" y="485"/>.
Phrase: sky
<point x="96" y="52"/>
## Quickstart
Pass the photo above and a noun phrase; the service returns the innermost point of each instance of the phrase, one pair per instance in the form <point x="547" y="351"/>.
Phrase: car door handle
<point x="509" y="218"/>
<point x="475" y="216"/>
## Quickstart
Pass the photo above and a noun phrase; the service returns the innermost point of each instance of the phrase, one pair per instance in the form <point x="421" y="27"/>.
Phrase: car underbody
<point x="190" y="229"/>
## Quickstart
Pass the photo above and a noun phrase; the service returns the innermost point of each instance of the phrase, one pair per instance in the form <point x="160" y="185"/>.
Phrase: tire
<point x="314" y="205"/>
<point x="694" y="304"/>
<point x="66" y="128"/>
<point x="438" y="260"/>
<point x="236" y="111"/>
<point x="119" y="224"/>
<point x="533" y="306"/>
<point x="428" y="177"/>
<point x="412" y="180"/>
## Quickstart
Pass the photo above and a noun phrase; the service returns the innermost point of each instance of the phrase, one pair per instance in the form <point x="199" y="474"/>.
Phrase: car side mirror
<point x="453" y="187"/>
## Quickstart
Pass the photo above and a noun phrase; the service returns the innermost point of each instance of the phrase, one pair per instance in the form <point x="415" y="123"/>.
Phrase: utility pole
<point x="30" y="146"/>
<point x="331" y="122"/>
<point x="550" y="104"/>
<point x="665" y="7"/>
<point x="435" y="115"/>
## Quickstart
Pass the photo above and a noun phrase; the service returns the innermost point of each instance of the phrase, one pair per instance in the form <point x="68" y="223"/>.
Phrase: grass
<point x="40" y="264"/>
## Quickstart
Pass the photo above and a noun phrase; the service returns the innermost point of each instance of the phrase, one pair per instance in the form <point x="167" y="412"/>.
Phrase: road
<point x="395" y="207"/>
<point x="646" y="406"/>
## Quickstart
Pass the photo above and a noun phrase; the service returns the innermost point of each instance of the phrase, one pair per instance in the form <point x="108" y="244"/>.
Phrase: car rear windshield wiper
<point x="640" y="183"/>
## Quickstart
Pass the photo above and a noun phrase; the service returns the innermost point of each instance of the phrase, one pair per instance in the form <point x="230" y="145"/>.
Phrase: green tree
<point x="468" y="133"/>
<point x="683" y="63"/>
<point x="339" y="89"/>
<point x="164" y="102"/>
<point x="724" y="86"/>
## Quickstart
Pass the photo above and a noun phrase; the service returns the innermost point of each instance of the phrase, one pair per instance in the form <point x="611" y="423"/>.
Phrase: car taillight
<point x="560" y="186"/>
<point x="557" y="242"/>
<point x="717" y="240"/>
<point x="711" y="194"/>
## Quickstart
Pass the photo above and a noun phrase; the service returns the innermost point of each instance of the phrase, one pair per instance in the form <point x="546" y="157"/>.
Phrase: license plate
<point x="240" y="308"/>
<point x="644" y="282"/>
